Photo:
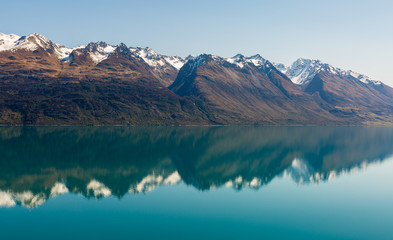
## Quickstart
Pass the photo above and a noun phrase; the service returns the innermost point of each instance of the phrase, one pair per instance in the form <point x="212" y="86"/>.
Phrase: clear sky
<point x="351" y="34"/>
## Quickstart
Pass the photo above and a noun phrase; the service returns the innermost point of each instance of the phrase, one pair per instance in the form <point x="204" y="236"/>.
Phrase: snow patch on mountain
<point x="176" y="62"/>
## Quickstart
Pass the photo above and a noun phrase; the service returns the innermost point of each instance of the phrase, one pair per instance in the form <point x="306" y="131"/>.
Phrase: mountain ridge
<point x="46" y="83"/>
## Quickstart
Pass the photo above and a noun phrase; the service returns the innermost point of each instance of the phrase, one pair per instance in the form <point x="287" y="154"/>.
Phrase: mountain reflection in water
<point x="42" y="162"/>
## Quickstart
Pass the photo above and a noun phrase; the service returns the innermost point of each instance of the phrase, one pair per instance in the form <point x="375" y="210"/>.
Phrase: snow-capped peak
<point x="157" y="60"/>
<point x="302" y="71"/>
<point x="8" y="41"/>
<point x="257" y="60"/>
<point x="240" y="60"/>
<point x="31" y="43"/>
<point x="99" y="51"/>
<point x="202" y="59"/>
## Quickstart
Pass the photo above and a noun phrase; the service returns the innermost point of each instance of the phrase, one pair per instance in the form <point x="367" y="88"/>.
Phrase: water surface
<point x="196" y="182"/>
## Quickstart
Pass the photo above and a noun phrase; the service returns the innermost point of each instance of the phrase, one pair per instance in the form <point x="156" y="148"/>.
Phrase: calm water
<point x="196" y="183"/>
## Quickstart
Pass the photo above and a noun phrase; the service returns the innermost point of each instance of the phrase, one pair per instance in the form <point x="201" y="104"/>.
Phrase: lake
<point x="240" y="182"/>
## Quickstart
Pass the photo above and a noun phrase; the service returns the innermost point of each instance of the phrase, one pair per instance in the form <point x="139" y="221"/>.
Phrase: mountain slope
<point x="245" y="90"/>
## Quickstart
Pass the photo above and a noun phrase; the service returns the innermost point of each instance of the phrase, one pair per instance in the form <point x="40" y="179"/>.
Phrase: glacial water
<point x="240" y="182"/>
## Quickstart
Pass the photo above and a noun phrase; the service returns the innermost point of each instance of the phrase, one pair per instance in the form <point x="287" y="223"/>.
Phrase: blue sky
<point x="350" y="34"/>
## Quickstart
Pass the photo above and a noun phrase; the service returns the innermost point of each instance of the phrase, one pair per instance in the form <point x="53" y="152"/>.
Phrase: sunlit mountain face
<point x="38" y="163"/>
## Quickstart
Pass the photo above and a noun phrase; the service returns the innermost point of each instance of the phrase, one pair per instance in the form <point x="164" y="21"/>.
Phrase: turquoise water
<point x="196" y="182"/>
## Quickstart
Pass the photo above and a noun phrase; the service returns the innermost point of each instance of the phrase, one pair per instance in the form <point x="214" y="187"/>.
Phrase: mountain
<point x="93" y="84"/>
<point x="42" y="82"/>
<point x="351" y="95"/>
<point x="246" y="90"/>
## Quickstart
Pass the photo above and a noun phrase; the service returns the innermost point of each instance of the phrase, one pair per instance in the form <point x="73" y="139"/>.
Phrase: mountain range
<point x="46" y="83"/>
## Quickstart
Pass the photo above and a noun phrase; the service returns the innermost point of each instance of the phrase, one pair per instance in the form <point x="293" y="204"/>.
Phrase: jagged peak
<point x="29" y="42"/>
<point x="156" y="60"/>
<point x="146" y="53"/>
<point x="303" y="70"/>
<point x="100" y="46"/>
<point x="99" y="43"/>
<point x="238" y="56"/>
<point x="239" y="60"/>
<point x="205" y="58"/>
<point x="122" y="48"/>
<point x="242" y="61"/>
<point x="33" y="42"/>
<point x="37" y="35"/>
<point x="194" y="62"/>
<point x="210" y="57"/>
<point x="122" y="45"/>
<point x="8" y="41"/>
<point x="11" y="35"/>
<point x="99" y="51"/>
<point x="257" y="56"/>
<point x="189" y="57"/>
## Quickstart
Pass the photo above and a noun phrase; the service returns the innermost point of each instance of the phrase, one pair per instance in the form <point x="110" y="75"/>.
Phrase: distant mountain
<point x="302" y="71"/>
<point x="349" y="94"/>
<point x="42" y="82"/>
